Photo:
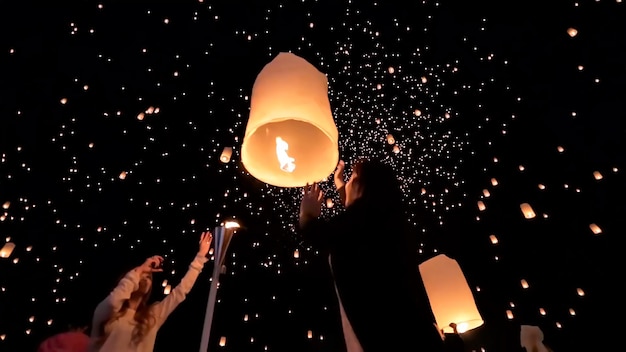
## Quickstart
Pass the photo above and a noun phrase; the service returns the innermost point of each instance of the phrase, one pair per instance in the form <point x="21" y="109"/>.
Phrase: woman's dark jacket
<point x="374" y="263"/>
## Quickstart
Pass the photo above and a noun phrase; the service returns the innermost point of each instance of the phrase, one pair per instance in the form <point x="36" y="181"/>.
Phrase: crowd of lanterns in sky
<point x="388" y="103"/>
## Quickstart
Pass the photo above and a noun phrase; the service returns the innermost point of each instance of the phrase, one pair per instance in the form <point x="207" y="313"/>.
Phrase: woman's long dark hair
<point x="382" y="196"/>
<point x="379" y="186"/>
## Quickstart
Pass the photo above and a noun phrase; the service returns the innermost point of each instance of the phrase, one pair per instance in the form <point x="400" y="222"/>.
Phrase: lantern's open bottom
<point x="316" y="154"/>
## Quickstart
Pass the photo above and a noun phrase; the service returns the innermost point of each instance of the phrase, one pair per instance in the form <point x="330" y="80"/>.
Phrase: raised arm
<point x="340" y="183"/>
<point x="113" y="302"/>
<point x="321" y="233"/>
<point x="164" y="308"/>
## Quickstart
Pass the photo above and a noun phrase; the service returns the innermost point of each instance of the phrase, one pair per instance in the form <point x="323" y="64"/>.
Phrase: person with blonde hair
<point x="125" y="322"/>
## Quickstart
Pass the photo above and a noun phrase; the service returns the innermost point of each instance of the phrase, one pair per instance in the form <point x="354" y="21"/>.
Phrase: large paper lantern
<point x="449" y="295"/>
<point x="531" y="338"/>
<point x="291" y="138"/>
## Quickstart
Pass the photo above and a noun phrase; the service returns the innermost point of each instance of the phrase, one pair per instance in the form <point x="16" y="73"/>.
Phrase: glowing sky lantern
<point x="531" y="338"/>
<point x="7" y="249"/>
<point x="527" y="210"/>
<point x="450" y="296"/>
<point x="291" y="138"/>
<point x="226" y="154"/>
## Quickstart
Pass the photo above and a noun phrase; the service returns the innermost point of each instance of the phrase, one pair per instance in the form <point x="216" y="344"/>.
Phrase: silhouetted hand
<point x="311" y="204"/>
<point x="338" y="176"/>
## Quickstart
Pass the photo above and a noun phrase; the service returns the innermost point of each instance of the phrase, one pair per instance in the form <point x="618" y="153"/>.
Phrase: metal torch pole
<point x="221" y="240"/>
<point x="218" y="238"/>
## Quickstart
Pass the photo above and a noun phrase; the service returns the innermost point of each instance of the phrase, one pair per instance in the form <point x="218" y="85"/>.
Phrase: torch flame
<point x="231" y="225"/>
<point x="286" y="162"/>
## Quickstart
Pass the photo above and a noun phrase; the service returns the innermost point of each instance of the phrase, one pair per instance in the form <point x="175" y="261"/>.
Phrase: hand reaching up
<point x="311" y="204"/>
<point x="153" y="264"/>
<point x="338" y="176"/>
<point x="205" y="243"/>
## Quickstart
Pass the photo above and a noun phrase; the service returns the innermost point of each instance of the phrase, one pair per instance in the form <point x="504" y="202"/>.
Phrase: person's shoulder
<point x="70" y="340"/>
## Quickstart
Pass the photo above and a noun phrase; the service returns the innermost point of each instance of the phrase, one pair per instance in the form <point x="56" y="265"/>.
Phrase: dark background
<point x="62" y="191"/>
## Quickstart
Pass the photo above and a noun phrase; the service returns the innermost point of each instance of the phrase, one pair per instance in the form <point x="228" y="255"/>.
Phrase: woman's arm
<point x="342" y="194"/>
<point x="164" y="308"/>
<point x="113" y="302"/>
<point x="315" y="232"/>
<point x="326" y="234"/>
<point x="122" y="292"/>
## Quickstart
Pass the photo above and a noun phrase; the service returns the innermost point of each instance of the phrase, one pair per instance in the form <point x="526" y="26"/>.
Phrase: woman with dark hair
<point x="125" y="322"/>
<point x="373" y="259"/>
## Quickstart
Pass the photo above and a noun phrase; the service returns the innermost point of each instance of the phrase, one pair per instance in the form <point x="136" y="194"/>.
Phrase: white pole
<point x="219" y="238"/>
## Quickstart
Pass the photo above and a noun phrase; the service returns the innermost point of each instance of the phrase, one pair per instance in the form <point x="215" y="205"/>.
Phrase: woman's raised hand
<point x="205" y="243"/>
<point x="338" y="176"/>
<point x="152" y="265"/>
<point x="311" y="204"/>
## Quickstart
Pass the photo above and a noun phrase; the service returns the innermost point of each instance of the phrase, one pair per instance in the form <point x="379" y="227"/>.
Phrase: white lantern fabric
<point x="291" y="138"/>
<point x="450" y="297"/>
<point x="531" y="338"/>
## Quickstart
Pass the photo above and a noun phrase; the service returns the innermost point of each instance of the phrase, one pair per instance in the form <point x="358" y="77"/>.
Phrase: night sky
<point x="114" y="115"/>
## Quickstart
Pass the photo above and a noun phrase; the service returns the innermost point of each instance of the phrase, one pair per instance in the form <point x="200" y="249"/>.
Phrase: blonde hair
<point x="144" y="320"/>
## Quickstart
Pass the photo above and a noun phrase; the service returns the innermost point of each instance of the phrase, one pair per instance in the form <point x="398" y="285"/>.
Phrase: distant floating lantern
<point x="222" y="341"/>
<point x="527" y="210"/>
<point x="6" y="205"/>
<point x="597" y="175"/>
<point x="494" y="182"/>
<point x="481" y="205"/>
<point x="226" y="154"/>
<point x="449" y="294"/>
<point x="122" y="175"/>
<point x="580" y="292"/>
<point x="329" y="203"/>
<point x="494" y="239"/>
<point x="390" y="139"/>
<point x="509" y="314"/>
<point x="572" y="32"/>
<point x="7" y="249"/>
<point x="595" y="229"/>
<point x="296" y="254"/>
<point x="291" y="138"/>
<point x="486" y="193"/>
<point x="524" y="284"/>
<point x="167" y="289"/>
<point x="396" y="149"/>
<point x="309" y="334"/>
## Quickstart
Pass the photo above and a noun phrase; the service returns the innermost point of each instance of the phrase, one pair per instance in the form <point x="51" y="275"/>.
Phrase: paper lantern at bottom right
<point x="450" y="297"/>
